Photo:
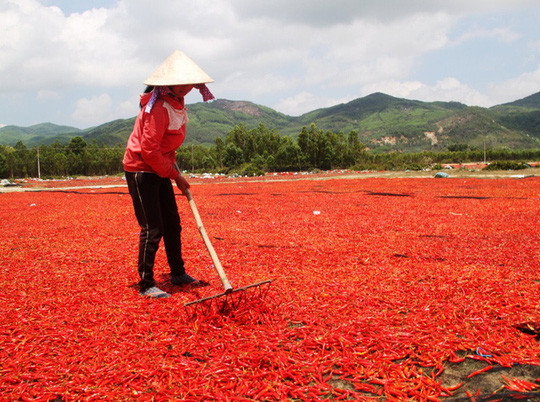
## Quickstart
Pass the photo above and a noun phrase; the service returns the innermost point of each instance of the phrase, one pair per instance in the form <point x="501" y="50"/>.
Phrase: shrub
<point x="248" y="169"/>
<point x="506" y="165"/>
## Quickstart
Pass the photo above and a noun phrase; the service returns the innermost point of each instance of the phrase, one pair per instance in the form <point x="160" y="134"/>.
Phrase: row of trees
<point x="57" y="160"/>
<point x="245" y="151"/>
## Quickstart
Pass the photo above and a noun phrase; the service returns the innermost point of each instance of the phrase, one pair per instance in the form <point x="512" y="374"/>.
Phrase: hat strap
<point x="159" y="90"/>
<point x="205" y="92"/>
<point x="155" y="95"/>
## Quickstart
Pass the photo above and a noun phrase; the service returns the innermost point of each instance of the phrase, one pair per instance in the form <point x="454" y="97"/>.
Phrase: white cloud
<point x="519" y="87"/>
<point x="107" y="47"/>
<point x="96" y="110"/>
<point x="451" y="89"/>
<point x="305" y="101"/>
<point x="503" y="35"/>
<point x="128" y="108"/>
<point x="46" y="95"/>
<point x="320" y="13"/>
<point x="292" y="55"/>
<point x="42" y="48"/>
<point x="333" y="61"/>
<point x="102" y="108"/>
<point x="447" y="89"/>
<point x="534" y="45"/>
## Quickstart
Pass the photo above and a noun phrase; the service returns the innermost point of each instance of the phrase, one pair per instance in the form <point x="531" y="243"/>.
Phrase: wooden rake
<point x="224" y="301"/>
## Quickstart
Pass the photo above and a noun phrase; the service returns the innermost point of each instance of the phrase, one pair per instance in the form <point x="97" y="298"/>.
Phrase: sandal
<point x="154" y="293"/>
<point x="185" y="279"/>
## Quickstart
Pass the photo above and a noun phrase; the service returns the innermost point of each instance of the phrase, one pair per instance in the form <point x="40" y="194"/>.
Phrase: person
<point x="149" y="165"/>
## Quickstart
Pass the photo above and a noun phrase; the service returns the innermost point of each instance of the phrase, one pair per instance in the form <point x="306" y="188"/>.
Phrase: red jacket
<point x="156" y="136"/>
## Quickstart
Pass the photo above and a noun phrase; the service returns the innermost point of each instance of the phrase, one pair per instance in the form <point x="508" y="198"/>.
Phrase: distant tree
<point x="77" y="145"/>
<point x="265" y="140"/>
<point x="219" y="150"/>
<point x="459" y="147"/>
<point x="9" y="155"/>
<point x="287" y="156"/>
<point x="326" y="150"/>
<point x="233" y="156"/>
<point x="355" y="150"/>
<point x="4" y="167"/>
<point x="240" y="138"/>
<point x="195" y="157"/>
<point x="307" y="141"/>
<point x="320" y="149"/>
<point x="78" y="157"/>
<point x="21" y="160"/>
<point x="53" y="160"/>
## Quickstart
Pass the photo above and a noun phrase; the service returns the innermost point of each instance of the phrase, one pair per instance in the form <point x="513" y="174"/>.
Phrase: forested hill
<point x="532" y="102"/>
<point x="37" y="134"/>
<point x="383" y="122"/>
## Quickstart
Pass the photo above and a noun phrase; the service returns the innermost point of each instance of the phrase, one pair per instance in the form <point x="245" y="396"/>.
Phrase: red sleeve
<point x="155" y="124"/>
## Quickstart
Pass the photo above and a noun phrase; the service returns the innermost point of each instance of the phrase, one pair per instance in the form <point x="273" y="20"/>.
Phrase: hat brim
<point x="178" y="69"/>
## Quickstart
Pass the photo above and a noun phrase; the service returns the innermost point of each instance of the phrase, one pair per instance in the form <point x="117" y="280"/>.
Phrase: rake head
<point x="229" y="300"/>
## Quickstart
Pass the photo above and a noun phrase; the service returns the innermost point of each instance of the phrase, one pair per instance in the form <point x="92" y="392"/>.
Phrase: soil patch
<point x="491" y="383"/>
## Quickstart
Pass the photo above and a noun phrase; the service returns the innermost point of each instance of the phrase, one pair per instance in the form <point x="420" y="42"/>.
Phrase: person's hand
<point x="182" y="183"/>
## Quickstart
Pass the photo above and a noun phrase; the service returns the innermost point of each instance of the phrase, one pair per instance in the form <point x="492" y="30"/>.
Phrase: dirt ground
<point x="490" y="383"/>
<point x="486" y="386"/>
<point x="94" y="182"/>
<point x="456" y="173"/>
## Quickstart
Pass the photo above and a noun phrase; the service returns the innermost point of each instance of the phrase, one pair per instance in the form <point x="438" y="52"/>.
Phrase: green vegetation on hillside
<point x="245" y="151"/>
<point x="35" y="135"/>
<point x="383" y="123"/>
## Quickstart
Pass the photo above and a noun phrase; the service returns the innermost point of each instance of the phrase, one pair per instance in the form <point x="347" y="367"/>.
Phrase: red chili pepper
<point x="454" y="387"/>
<point x="440" y="369"/>
<point x="454" y="359"/>
<point x="516" y="384"/>
<point x="482" y="370"/>
<point x="528" y="385"/>
<point x="307" y="335"/>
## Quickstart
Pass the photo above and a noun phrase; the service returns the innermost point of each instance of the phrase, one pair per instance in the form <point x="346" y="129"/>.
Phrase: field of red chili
<point x="384" y="288"/>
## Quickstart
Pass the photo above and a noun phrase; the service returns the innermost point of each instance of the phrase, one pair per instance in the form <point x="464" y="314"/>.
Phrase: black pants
<point x="157" y="215"/>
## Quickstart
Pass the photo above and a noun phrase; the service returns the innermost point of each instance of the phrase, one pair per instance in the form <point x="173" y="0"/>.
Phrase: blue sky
<point x="485" y="56"/>
<point x="82" y="63"/>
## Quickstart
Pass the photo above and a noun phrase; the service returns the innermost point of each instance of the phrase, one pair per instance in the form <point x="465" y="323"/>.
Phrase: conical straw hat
<point x="178" y="69"/>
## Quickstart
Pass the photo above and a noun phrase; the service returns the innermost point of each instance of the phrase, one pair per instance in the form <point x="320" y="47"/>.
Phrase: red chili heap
<point x="381" y="286"/>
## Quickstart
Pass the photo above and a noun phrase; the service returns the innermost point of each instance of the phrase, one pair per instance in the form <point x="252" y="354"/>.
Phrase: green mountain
<point x="36" y="134"/>
<point x="383" y="122"/>
<point x="207" y="121"/>
<point x="531" y="101"/>
<point x="113" y="133"/>
<point x="521" y="116"/>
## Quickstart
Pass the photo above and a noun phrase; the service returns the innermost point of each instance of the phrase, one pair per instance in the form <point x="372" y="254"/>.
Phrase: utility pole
<point x="38" y="167"/>
<point x="192" y="166"/>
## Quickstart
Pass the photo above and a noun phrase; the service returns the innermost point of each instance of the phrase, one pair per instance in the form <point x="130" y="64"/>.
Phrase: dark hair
<point x="149" y="88"/>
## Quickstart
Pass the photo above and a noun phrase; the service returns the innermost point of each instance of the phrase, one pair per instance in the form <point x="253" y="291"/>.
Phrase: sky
<point x="82" y="63"/>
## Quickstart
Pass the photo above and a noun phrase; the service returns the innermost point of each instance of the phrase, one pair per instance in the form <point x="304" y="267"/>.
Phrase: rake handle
<point x="217" y="265"/>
